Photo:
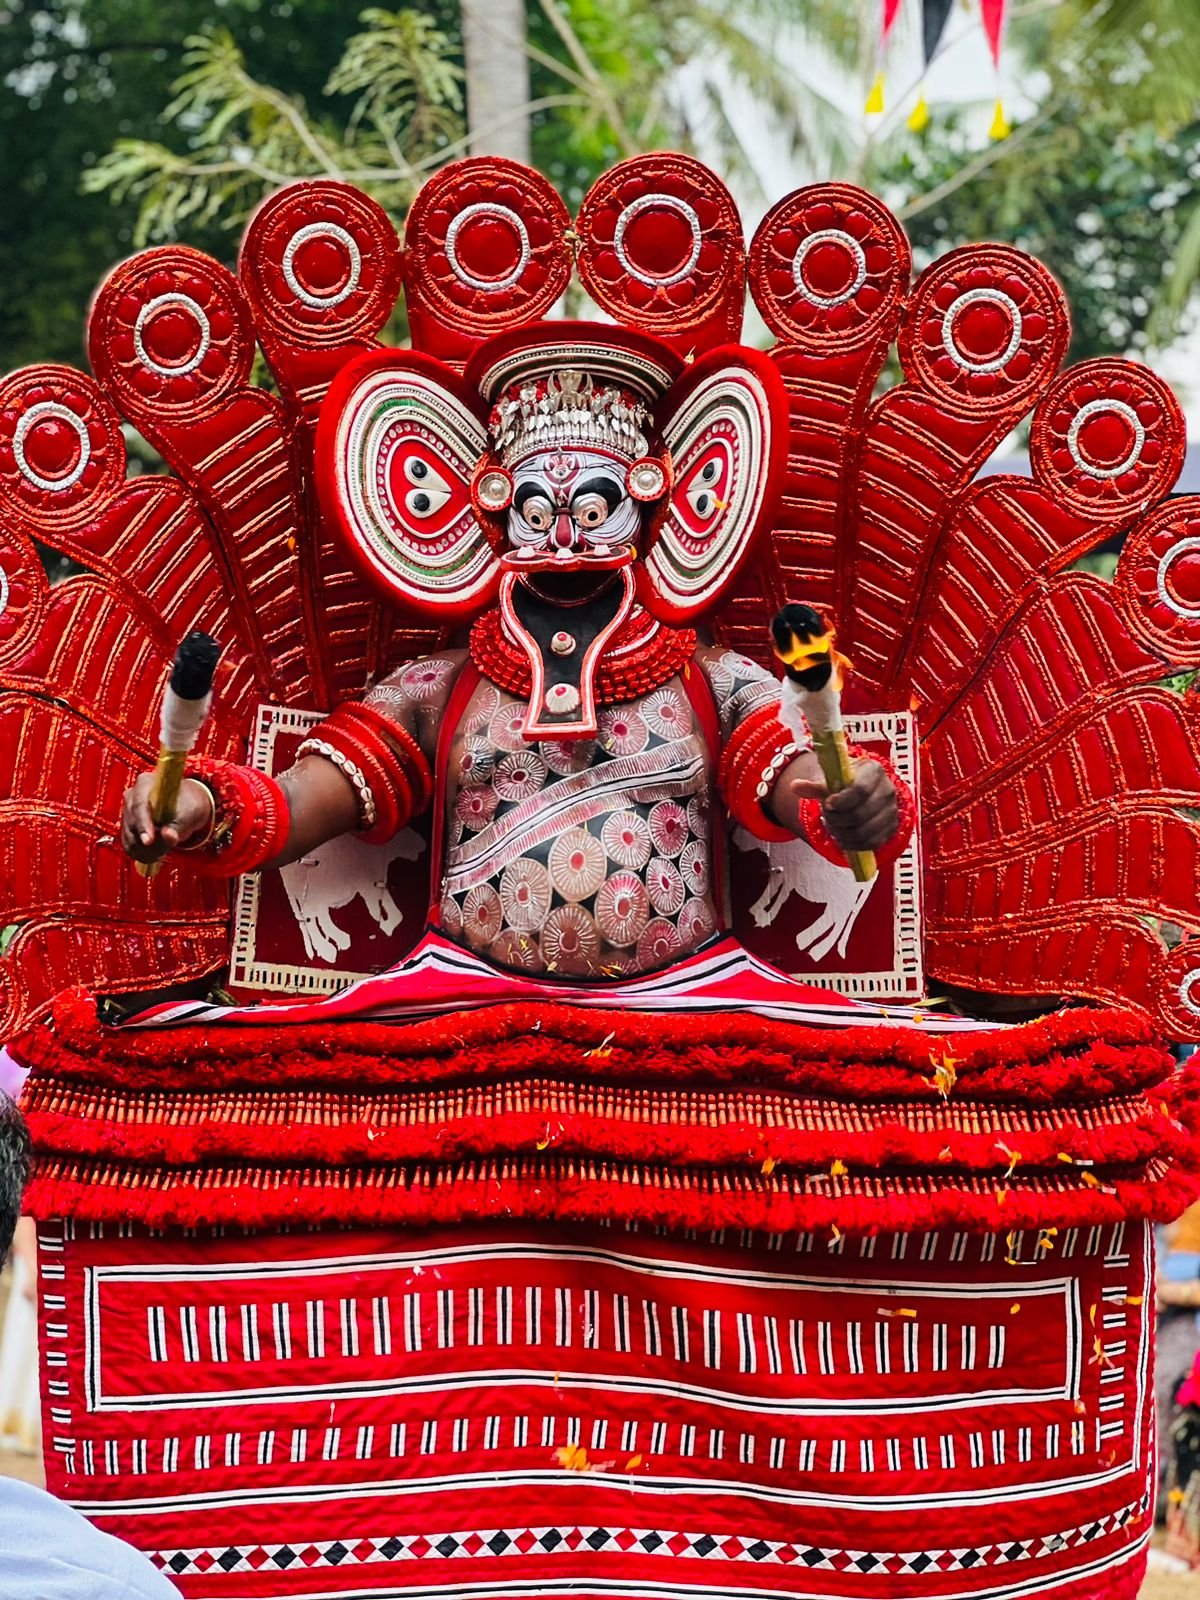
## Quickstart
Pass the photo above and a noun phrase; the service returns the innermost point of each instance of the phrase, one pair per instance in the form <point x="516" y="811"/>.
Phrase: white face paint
<point x="572" y="501"/>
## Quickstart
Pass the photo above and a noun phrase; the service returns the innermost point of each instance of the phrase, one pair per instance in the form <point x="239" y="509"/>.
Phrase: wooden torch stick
<point x="812" y="698"/>
<point x="184" y="711"/>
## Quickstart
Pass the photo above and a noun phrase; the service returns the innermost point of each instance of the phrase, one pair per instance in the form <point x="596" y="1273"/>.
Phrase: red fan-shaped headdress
<point x="1060" y="763"/>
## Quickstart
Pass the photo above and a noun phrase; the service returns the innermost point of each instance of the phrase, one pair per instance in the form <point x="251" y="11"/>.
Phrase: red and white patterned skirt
<point x="519" y="1410"/>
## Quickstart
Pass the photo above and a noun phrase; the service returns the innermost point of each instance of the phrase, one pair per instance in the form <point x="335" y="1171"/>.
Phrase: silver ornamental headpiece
<point x="566" y="410"/>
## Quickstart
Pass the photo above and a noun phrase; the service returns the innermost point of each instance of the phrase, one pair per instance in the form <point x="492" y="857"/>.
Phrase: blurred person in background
<point x="20" y="1411"/>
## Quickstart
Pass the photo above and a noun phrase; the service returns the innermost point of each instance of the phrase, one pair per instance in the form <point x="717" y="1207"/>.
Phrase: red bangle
<point x="751" y="764"/>
<point x="383" y="757"/>
<point x="252" y="819"/>
<point x="812" y="819"/>
<point x="384" y="796"/>
<point x="386" y="760"/>
<point x="416" y="766"/>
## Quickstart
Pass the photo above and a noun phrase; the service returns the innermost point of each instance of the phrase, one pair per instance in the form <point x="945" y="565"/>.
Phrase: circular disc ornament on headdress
<point x="61" y="451"/>
<point x="485" y="249"/>
<point x="1177" y="987"/>
<point x="24" y="593"/>
<point x="986" y="323"/>
<point x="1108" y="439"/>
<point x="1158" y="580"/>
<point x="170" y="335"/>
<point x="321" y="264"/>
<point x="829" y="268"/>
<point x="661" y="250"/>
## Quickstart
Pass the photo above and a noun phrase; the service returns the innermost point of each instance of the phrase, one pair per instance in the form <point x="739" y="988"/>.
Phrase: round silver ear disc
<point x="494" y="491"/>
<point x="647" y="480"/>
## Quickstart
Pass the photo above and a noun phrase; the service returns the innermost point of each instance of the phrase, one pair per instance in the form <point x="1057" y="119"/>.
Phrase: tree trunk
<point x="497" y="77"/>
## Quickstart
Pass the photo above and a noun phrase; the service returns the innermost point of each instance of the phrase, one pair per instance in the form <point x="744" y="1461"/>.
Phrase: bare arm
<point x="321" y="800"/>
<point x="862" y="817"/>
<point x="321" y="804"/>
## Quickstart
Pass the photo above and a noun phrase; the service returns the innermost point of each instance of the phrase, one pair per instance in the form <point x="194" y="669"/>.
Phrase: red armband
<point x="387" y="768"/>
<point x="250" y="822"/>
<point x="416" y="767"/>
<point x="812" y="819"/>
<point x="755" y="754"/>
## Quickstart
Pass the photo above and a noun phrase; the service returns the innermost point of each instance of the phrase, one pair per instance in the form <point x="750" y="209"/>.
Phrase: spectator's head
<point x="14" y="1169"/>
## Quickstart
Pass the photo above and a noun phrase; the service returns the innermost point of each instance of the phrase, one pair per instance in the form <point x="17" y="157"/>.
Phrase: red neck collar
<point x="642" y="654"/>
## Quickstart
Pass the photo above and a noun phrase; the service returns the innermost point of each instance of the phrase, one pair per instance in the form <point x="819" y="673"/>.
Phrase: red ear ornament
<point x="725" y="426"/>
<point x="398" y="447"/>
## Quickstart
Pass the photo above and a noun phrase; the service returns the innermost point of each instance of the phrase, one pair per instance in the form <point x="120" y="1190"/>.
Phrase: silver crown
<point x="568" y="409"/>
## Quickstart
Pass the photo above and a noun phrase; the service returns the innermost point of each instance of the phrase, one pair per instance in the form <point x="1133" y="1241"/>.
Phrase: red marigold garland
<point x="515" y="1111"/>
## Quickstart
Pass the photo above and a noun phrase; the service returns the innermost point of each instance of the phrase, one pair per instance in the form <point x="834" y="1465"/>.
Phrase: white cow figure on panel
<point x="338" y="873"/>
<point x="796" y="868"/>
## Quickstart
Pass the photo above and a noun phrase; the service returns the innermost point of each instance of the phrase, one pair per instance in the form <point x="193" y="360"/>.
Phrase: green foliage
<point x="1104" y="204"/>
<point x="407" y="86"/>
<point x="606" y="81"/>
<point x="668" y="68"/>
<point x="75" y="75"/>
<point x="246" y="137"/>
<point x="1139" y="52"/>
<point x="1101" y="181"/>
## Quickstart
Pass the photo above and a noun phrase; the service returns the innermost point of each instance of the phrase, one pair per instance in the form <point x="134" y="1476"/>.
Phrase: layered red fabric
<point x="550" y="1113"/>
<point x="534" y="1299"/>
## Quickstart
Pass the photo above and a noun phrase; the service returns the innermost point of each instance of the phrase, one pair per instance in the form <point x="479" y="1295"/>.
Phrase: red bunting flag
<point x="993" y="24"/>
<point x="891" y="10"/>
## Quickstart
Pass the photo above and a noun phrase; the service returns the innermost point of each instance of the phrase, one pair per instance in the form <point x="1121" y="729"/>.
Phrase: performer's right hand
<point x="143" y="839"/>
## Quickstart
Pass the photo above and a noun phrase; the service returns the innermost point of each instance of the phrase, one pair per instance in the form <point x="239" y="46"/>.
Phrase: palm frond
<point x="1182" y="279"/>
<point x="406" y="83"/>
<point x="809" y="121"/>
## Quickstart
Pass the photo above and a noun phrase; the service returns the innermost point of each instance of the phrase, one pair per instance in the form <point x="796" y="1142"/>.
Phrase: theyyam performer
<point x="582" y="738"/>
<point x="498" y="1198"/>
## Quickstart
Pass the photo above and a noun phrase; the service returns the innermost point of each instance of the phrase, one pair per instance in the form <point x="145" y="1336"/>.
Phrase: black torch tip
<point x="195" y="665"/>
<point x="796" y="621"/>
<point x="803" y="642"/>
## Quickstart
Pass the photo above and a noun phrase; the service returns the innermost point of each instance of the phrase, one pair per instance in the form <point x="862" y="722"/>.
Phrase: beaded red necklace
<point x="642" y="655"/>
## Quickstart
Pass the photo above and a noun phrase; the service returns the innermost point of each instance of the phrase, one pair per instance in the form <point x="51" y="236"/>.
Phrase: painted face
<point x="572" y="508"/>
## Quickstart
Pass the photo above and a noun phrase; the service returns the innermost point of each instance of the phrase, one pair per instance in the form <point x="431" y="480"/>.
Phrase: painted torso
<point x="584" y="858"/>
<point x="581" y="857"/>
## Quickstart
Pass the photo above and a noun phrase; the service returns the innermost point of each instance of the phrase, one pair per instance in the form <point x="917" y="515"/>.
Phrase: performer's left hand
<point x="861" y="817"/>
